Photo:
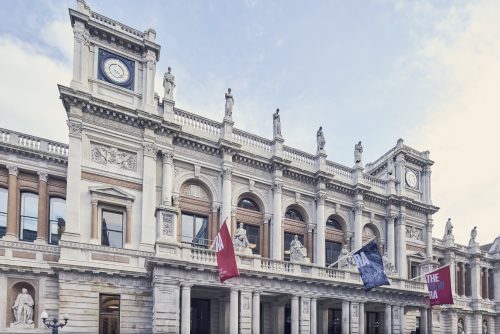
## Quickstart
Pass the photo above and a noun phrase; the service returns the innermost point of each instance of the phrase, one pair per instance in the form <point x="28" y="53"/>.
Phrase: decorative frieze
<point x="112" y="156"/>
<point x="413" y="232"/>
<point x="75" y="129"/>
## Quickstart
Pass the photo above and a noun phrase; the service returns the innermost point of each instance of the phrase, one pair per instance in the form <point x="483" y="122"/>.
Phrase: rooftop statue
<point x="320" y="138"/>
<point x="276" y="124"/>
<point x="229" y="103"/>
<point x="358" y="152"/>
<point x="473" y="235"/>
<point x="448" y="230"/>
<point x="168" y="84"/>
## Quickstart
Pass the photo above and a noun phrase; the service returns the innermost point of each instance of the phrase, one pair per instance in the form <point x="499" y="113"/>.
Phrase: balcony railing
<point x="33" y="143"/>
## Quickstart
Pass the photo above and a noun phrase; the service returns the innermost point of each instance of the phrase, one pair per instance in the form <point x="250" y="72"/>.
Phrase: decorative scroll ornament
<point x="75" y="129"/>
<point x="150" y="149"/>
<point x="105" y="155"/>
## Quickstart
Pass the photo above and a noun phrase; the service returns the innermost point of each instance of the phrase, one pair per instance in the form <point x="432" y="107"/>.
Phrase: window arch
<point x="370" y="232"/>
<point x="28" y="216"/>
<point x="3" y="211"/>
<point x="57" y="218"/>
<point x="294" y="214"/>
<point x="249" y="204"/>
<point x="333" y="222"/>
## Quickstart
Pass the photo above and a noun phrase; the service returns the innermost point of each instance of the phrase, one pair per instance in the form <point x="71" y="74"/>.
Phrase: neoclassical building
<point x="115" y="229"/>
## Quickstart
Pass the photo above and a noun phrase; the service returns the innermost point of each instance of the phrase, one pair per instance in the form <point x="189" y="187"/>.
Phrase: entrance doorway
<point x="372" y="323"/>
<point x="334" y="321"/>
<point x="200" y="316"/>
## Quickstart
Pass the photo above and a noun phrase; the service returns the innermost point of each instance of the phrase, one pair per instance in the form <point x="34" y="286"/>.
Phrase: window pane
<point x="3" y="200"/>
<point x="3" y="224"/>
<point x="187" y="228"/>
<point x="29" y="204"/>
<point x="54" y="233"/>
<point x="201" y="231"/>
<point x="248" y="204"/>
<point x="332" y="251"/>
<point x="28" y="228"/>
<point x="253" y="235"/>
<point x="57" y="208"/>
<point x="115" y="239"/>
<point x="114" y="220"/>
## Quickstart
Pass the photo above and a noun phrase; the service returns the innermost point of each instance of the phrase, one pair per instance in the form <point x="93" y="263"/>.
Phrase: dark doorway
<point x="200" y="316"/>
<point x="288" y="320"/>
<point x="372" y="323"/>
<point x="334" y="321"/>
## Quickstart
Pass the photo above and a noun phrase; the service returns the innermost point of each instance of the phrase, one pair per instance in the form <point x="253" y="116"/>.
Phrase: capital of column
<point x="129" y="207"/>
<point x="175" y="200"/>
<point x="233" y="212"/>
<point x="400" y="158"/>
<point x="321" y="197"/>
<point x="94" y="201"/>
<point x="215" y="207"/>
<point x="310" y="227"/>
<point x="75" y="129"/>
<point x="277" y="186"/>
<point x="402" y="219"/>
<point x="227" y="173"/>
<point x="13" y="170"/>
<point x="358" y="207"/>
<point x="186" y="286"/>
<point x="43" y="176"/>
<point x="150" y="149"/>
<point x="168" y="157"/>
<point x="390" y="217"/>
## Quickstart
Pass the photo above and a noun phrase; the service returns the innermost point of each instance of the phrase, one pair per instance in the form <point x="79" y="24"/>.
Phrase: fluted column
<point x="276" y="236"/>
<point x="295" y="314"/>
<point x="148" y="232"/>
<point x="42" y="227"/>
<point x="427" y="185"/>
<point x="320" y="229"/>
<point x="390" y="238"/>
<point x="186" y="309"/>
<point x="256" y="313"/>
<point x="12" y="227"/>
<point x="401" y="263"/>
<point x="358" y="224"/>
<point x="388" y="319"/>
<point x="233" y="312"/>
<point x="345" y="317"/>
<point x="226" y="196"/>
<point x="167" y="178"/>
<point x="314" y="316"/>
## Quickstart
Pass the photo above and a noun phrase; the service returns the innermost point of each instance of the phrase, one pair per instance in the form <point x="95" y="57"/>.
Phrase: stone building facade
<point x="115" y="228"/>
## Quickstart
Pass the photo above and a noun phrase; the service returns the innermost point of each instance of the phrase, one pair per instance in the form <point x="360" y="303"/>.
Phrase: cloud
<point x="461" y="58"/>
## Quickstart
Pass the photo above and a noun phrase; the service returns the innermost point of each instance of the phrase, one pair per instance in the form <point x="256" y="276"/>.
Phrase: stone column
<point x="428" y="244"/>
<point x="265" y="236"/>
<point x="233" y="312"/>
<point x="305" y="315"/>
<point x="309" y="242"/>
<point x="276" y="237"/>
<point x="167" y="179"/>
<point x="314" y="316"/>
<point x="256" y="313"/>
<point x="320" y="229"/>
<point x="358" y="223"/>
<point x="402" y="319"/>
<point x="73" y="179"/>
<point x="149" y="70"/>
<point x="401" y="263"/>
<point x="11" y="232"/>
<point x="324" y="320"/>
<point x="427" y="185"/>
<point x="390" y="238"/>
<point x="148" y="231"/>
<point x="186" y="309"/>
<point x="128" y="226"/>
<point x="345" y="317"/>
<point x="3" y="301"/>
<point x="361" y="318"/>
<point x="42" y="228"/>
<point x="245" y="316"/>
<point x="423" y="321"/>
<point x="232" y="227"/>
<point x="94" y="231"/>
<point x="226" y="196"/>
<point x="295" y="315"/>
<point x="388" y="319"/>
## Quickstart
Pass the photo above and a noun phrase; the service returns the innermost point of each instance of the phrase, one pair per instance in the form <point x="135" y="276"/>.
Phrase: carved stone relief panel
<point x="413" y="232"/>
<point x="112" y="156"/>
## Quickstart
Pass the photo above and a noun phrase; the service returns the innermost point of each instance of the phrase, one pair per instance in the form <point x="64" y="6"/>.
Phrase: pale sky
<point x="375" y="71"/>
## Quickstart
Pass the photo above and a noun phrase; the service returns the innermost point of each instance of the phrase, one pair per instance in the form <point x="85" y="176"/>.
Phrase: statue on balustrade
<point x="229" y="103"/>
<point x="168" y="84"/>
<point x="388" y="266"/>
<point x="320" y="138"/>
<point x="298" y="253"/>
<point x="473" y="235"/>
<point x="240" y="240"/>
<point x="276" y="124"/>
<point x="448" y="230"/>
<point x="358" y="152"/>
<point x="23" y="309"/>
<point x="345" y="260"/>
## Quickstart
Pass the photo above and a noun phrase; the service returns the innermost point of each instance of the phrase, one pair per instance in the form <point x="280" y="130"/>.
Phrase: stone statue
<point x="297" y="251"/>
<point x="460" y="327"/>
<point x="168" y="84"/>
<point x="448" y="230"/>
<point x="229" y="103"/>
<point x="276" y="124"/>
<point x="23" y="308"/>
<point x="320" y="138"/>
<point x="240" y="238"/>
<point x="473" y="235"/>
<point x="388" y="266"/>
<point x="358" y="151"/>
<point x="344" y="259"/>
<point x="485" y="327"/>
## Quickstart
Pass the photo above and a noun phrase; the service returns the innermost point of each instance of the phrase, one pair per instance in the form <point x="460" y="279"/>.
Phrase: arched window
<point x="294" y="215"/>
<point x="57" y="218"/>
<point x="29" y="216"/>
<point x="247" y="203"/>
<point x="3" y="211"/>
<point x="333" y="223"/>
<point x="368" y="234"/>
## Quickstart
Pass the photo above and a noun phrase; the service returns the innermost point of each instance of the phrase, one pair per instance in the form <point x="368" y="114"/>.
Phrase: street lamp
<point x="55" y="324"/>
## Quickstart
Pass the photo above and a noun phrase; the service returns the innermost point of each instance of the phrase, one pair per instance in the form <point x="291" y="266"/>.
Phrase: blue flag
<point x="370" y="266"/>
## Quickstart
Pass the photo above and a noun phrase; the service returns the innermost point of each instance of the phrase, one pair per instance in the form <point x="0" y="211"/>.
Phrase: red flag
<point x="226" y="260"/>
<point x="439" y="285"/>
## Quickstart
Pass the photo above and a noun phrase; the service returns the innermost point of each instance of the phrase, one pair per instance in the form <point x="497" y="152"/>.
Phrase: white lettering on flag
<point x="218" y="243"/>
<point x="361" y="260"/>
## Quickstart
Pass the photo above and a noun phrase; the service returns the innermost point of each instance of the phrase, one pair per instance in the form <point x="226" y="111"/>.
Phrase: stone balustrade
<point x="33" y="143"/>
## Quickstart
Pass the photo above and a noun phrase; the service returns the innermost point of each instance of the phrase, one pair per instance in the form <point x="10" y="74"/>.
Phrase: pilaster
<point x="305" y="315"/>
<point x="319" y="248"/>
<point x="276" y="235"/>
<point x="166" y="302"/>
<point x="42" y="228"/>
<point x="12" y="199"/>
<point x="358" y="220"/>
<point x="148" y="192"/>
<point x="245" y="312"/>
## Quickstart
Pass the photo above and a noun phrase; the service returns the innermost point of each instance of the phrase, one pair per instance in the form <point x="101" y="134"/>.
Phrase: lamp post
<point x="55" y="324"/>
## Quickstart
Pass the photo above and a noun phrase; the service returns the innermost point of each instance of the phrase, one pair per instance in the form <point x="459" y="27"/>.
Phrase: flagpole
<point x="352" y="252"/>
<point x="414" y="278"/>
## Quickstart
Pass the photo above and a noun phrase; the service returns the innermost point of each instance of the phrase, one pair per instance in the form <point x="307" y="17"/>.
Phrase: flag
<point x="224" y="250"/>
<point x="370" y="266"/>
<point x="439" y="285"/>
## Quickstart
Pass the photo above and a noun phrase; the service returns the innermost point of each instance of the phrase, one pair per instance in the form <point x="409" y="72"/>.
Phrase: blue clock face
<point x="116" y="69"/>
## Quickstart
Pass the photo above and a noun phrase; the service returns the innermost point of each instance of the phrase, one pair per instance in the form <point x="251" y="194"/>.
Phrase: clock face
<point x="116" y="70"/>
<point x="411" y="178"/>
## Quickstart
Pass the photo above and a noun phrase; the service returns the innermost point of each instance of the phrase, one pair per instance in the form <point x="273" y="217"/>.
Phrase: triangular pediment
<point x="110" y="191"/>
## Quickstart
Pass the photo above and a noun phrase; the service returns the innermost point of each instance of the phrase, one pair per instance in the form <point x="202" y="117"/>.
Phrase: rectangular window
<point x="3" y="211"/>
<point x="57" y="215"/>
<point x="29" y="217"/>
<point x="288" y="237"/>
<point x="253" y="235"/>
<point x="413" y="270"/>
<point x="194" y="230"/>
<point x="109" y="314"/>
<point x="332" y="251"/>
<point x="112" y="229"/>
